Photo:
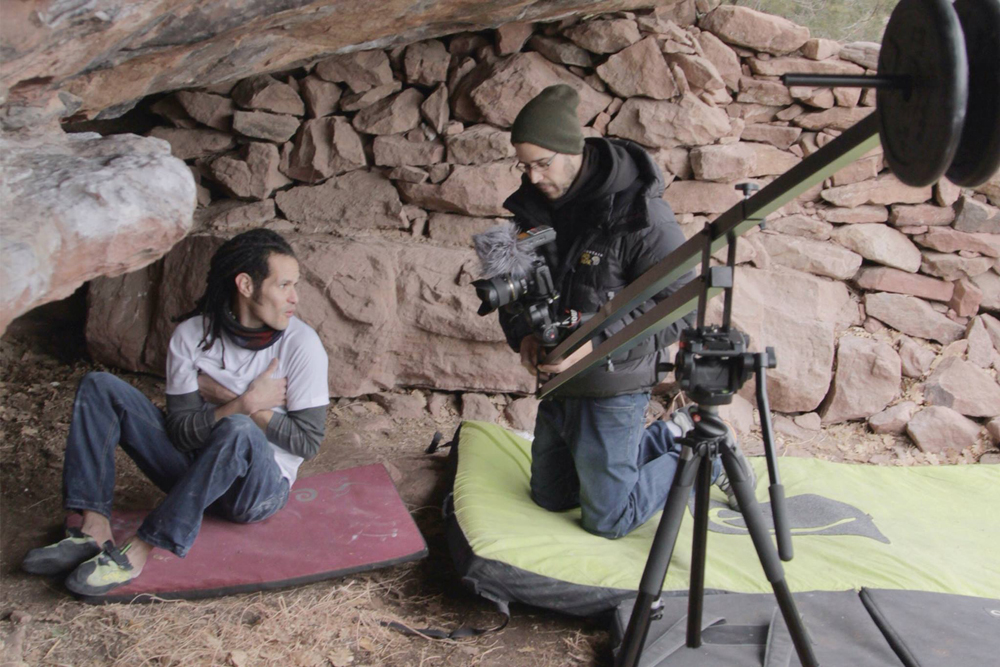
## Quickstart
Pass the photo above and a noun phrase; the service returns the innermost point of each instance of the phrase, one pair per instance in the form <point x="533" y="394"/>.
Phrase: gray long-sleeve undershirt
<point x="190" y="421"/>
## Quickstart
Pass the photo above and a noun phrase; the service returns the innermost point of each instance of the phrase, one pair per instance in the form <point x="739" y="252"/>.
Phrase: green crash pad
<point x="933" y="529"/>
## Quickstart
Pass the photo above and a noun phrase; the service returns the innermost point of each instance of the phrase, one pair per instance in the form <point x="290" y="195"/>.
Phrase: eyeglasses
<point x="537" y="165"/>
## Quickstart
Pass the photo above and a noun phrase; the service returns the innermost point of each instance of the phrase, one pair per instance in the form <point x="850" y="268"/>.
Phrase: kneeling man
<point x="265" y="374"/>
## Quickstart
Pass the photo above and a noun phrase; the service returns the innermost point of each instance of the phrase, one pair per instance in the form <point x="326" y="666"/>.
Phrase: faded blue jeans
<point x="234" y="475"/>
<point x="596" y="453"/>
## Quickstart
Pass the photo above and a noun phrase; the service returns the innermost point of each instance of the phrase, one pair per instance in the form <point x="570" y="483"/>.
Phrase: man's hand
<point x="213" y="392"/>
<point x="553" y="369"/>
<point x="529" y="353"/>
<point x="265" y="392"/>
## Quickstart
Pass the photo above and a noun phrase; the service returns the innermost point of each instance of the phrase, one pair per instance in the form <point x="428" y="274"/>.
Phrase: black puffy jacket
<point x="611" y="233"/>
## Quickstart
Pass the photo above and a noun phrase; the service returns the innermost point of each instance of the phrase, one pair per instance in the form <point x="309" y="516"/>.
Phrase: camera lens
<point x="496" y="292"/>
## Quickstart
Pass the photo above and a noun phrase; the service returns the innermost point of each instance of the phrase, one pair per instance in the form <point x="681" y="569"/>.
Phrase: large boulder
<point x="661" y="124"/>
<point x="79" y="206"/>
<point x="941" y="430"/>
<point x="867" y="379"/>
<point x="963" y="387"/>
<point x="755" y="30"/>
<point x="912" y="316"/>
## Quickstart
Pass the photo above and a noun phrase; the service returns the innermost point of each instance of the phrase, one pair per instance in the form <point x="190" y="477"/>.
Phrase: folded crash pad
<point x="933" y="528"/>
<point x="334" y="524"/>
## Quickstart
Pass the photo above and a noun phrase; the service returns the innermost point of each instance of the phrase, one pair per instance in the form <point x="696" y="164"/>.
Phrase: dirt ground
<point x="334" y="623"/>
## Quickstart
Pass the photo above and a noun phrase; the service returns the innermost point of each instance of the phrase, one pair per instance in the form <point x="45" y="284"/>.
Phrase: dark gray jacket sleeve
<point x="655" y="243"/>
<point x="298" y="432"/>
<point x="189" y="421"/>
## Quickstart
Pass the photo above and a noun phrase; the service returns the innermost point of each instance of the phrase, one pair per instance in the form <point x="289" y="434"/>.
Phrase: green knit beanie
<point x="549" y="120"/>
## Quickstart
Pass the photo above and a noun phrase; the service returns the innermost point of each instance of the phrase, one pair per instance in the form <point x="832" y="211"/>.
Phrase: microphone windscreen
<point x="498" y="252"/>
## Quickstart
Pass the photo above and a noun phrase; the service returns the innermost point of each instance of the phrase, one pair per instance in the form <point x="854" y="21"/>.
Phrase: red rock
<point x="915" y="358"/>
<point x="510" y="37"/>
<point x="521" y="413"/>
<point x="966" y="298"/>
<point x="801" y="225"/>
<point x="477" y="407"/>
<point x="886" y="190"/>
<point x="686" y="122"/>
<point x="188" y="144"/>
<point x="724" y="58"/>
<point x="458" y="229"/>
<point x="963" y="387"/>
<point x="989" y="284"/>
<point x="975" y="216"/>
<point x="837" y="118"/>
<point x="360" y="70"/>
<point x="479" y="144"/>
<point x="912" y="316"/>
<point x="395" y="114"/>
<point x="820" y="49"/>
<point x="363" y="100"/>
<point x="320" y="97"/>
<point x="560" y="51"/>
<point x="880" y="244"/>
<point x="776" y="135"/>
<point x="265" y="93"/>
<point x="861" y="53"/>
<point x="738" y="161"/>
<point x="478" y="190"/>
<point x="860" y="170"/>
<point x="857" y="214"/>
<point x="276" y="128"/>
<point x="980" y="351"/>
<point x="323" y="148"/>
<point x="946" y="193"/>
<point x="254" y="175"/>
<point x="356" y="200"/>
<point x="755" y="30"/>
<point x="886" y="279"/>
<point x="904" y="215"/>
<point x="701" y="197"/>
<point x="435" y="109"/>
<point x="866" y="380"/>
<point x="756" y="91"/>
<point x="394" y="150"/>
<point x="893" y="420"/>
<point x="939" y="429"/>
<point x="953" y="267"/>
<point x="605" y="36"/>
<point x="817" y="257"/>
<point x="780" y="66"/>
<point x="945" y="239"/>
<point x="700" y="72"/>
<point x="639" y="70"/>
<point x="214" y="111"/>
<point x="426" y="63"/>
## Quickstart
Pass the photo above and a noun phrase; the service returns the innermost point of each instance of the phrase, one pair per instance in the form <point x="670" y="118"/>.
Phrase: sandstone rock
<point x="479" y="144"/>
<point x="847" y="97"/>
<point x="810" y="421"/>
<point x="435" y="109"/>
<point x="886" y="190"/>
<point x="798" y="314"/>
<point x="426" y="63"/>
<point x="639" y="70"/>
<point x="780" y="66"/>
<point x="458" y="229"/>
<point x="214" y="111"/>
<point x="356" y="200"/>
<point x="320" y="97"/>
<point x="980" y="351"/>
<point x="402" y="406"/>
<point x="682" y="12"/>
<point x="265" y="93"/>
<point x="756" y="91"/>
<point x="478" y="190"/>
<point x="363" y="100"/>
<point x="860" y="170"/>
<point x="605" y="36"/>
<point x="560" y="51"/>
<point x="395" y="114"/>
<point x="946" y="193"/>
<point x="231" y="216"/>
<point x="801" y="225"/>
<point x="323" y="148"/>
<point x="394" y="150"/>
<point x="939" y="429"/>
<point x="188" y="144"/>
<point x="993" y="329"/>
<point x="360" y="70"/>
<point x="673" y="161"/>
<point x="276" y="128"/>
<point x="866" y="380"/>
<point x="739" y="161"/>
<point x="912" y="316"/>
<point x="818" y="48"/>
<point x="880" y="244"/>
<point x="439" y="404"/>
<point x="521" y="413"/>
<point x="776" y="135"/>
<point x="701" y="197"/>
<point x="975" y="216"/>
<point x="837" y="118"/>
<point x="724" y="58"/>
<point x="738" y="414"/>
<point x="686" y="122"/>
<point x="989" y="284"/>
<point x="953" y="267"/>
<point x="857" y="215"/>
<point x="915" y="358"/>
<point x="893" y="420"/>
<point x="700" y="72"/>
<point x="966" y="298"/>
<point x="477" y="407"/>
<point x="510" y="37"/>
<point x="818" y="257"/>
<point x="945" y="239"/>
<point x="817" y="98"/>
<point x="963" y="387"/>
<point x="991" y="189"/>
<point x="253" y="175"/>
<point x="861" y="53"/>
<point x="904" y="215"/>
<point x="755" y="30"/>
<point x="512" y="82"/>
<point x="885" y="279"/>
<point x="171" y="110"/>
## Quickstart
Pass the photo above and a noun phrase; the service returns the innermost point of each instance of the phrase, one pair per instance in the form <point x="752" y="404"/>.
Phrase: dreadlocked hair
<point x="244" y="253"/>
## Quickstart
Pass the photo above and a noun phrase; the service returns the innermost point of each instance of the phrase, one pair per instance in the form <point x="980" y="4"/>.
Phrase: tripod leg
<point x="767" y="554"/>
<point x="696" y="591"/>
<point x="659" y="557"/>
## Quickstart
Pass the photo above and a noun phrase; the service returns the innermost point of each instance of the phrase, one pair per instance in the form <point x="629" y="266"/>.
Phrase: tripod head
<point x="713" y="363"/>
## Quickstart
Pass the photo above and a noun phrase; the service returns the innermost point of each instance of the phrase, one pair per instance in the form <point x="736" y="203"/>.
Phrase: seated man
<point x="236" y="459"/>
<point x="604" y="198"/>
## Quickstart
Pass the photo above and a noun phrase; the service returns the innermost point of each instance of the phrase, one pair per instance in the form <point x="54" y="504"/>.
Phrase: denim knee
<point x="237" y="428"/>
<point x="99" y="383"/>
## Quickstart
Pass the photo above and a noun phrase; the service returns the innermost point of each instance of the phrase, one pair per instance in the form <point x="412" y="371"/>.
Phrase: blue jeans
<point x="234" y="475"/>
<point x="595" y="453"/>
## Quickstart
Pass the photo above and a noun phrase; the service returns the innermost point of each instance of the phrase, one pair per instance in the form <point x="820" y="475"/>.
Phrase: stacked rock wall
<point x="380" y="165"/>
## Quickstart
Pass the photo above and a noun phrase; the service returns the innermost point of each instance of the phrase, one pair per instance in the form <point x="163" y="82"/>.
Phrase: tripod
<point x="711" y="363"/>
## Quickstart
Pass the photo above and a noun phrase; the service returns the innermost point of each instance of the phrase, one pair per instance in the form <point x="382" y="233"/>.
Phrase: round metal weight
<point x="920" y="124"/>
<point x="978" y="154"/>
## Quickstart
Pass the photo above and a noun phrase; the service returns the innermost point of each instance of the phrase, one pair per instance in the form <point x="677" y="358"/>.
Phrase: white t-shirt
<point x="301" y="359"/>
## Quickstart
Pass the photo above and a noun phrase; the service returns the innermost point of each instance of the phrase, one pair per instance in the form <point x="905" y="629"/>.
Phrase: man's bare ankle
<point x="97" y="526"/>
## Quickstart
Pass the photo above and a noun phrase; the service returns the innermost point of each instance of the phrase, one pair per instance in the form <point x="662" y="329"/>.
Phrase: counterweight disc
<point x="920" y="125"/>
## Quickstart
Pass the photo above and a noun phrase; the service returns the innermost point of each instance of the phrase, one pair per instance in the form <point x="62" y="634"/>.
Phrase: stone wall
<point x="380" y="165"/>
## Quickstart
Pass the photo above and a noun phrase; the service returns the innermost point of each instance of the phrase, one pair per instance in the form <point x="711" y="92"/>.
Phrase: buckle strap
<point x="117" y="555"/>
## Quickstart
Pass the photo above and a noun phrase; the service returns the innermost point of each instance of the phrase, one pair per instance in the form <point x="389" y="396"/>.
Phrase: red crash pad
<point x="334" y="524"/>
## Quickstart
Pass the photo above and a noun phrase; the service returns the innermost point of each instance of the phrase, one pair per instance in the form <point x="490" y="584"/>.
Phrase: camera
<point x="527" y="290"/>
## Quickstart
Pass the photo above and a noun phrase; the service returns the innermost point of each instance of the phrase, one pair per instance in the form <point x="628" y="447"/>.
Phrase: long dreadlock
<point x="244" y="253"/>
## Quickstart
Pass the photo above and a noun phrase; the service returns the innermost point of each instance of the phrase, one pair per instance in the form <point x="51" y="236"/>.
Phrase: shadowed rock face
<point x="111" y="53"/>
